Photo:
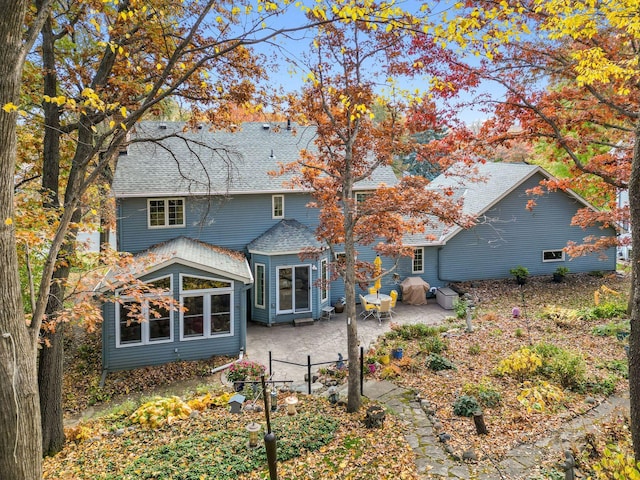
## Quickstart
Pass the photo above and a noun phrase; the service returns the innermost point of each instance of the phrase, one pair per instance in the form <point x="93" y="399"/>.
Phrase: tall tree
<point x="569" y="72"/>
<point x="352" y="143"/>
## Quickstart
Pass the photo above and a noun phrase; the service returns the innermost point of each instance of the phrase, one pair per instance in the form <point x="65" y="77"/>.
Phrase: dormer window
<point x="277" y="206"/>
<point x="165" y="212"/>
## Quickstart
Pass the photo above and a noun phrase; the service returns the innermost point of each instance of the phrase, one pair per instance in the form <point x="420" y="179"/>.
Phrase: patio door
<point x="294" y="289"/>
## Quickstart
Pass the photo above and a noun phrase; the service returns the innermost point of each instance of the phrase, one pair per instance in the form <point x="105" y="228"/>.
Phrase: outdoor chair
<point x="372" y="290"/>
<point x="384" y="310"/>
<point x="394" y="299"/>
<point x="368" y="309"/>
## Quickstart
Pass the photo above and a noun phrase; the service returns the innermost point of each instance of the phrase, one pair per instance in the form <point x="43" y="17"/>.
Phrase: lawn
<point x="561" y="356"/>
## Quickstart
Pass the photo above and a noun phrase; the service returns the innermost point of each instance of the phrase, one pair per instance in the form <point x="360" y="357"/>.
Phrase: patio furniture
<point x="384" y="310"/>
<point x="327" y="312"/>
<point x="368" y="309"/>
<point x="376" y="298"/>
<point x="372" y="290"/>
<point x="394" y="299"/>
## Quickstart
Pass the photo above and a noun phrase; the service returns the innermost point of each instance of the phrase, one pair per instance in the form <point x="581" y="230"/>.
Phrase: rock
<point x="444" y="437"/>
<point x="119" y="432"/>
<point x="314" y="378"/>
<point x="194" y="414"/>
<point x="590" y="401"/>
<point x="469" y="456"/>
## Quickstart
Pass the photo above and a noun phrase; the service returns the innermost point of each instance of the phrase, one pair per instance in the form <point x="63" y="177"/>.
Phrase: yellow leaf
<point x="123" y="112"/>
<point x="9" y="107"/>
<point x="8" y="221"/>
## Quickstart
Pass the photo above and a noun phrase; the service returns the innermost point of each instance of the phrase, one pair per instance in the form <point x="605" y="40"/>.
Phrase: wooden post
<point x="478" y="420"/>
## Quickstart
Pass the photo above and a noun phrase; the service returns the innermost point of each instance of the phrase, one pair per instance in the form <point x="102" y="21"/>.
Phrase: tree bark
<point x="634" y="337"/>
<point x="20" y="444"/>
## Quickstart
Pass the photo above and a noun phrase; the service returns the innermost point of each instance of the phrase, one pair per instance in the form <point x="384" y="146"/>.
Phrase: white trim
<point x="413" y="259"/>
<point x="264" y="285"/>
<point x="206" y="295"/>
<point x="310" y="294"/>
<point x="273" y="206"/>
<point x="324" y="264"/>
<point x="145" y="338"/>
<point x="550" y="260"/>
<point x="166" y="213"/>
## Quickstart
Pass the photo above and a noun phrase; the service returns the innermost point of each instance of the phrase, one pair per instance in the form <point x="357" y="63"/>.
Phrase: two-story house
<point x="223" y="236"/>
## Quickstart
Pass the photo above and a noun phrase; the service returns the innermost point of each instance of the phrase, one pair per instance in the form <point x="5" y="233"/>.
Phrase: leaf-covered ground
<point x="109" y="448"/>
<point x="497" y="334"/>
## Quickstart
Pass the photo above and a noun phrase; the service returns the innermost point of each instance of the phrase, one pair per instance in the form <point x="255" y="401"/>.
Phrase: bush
<point x="611" y="329"/>
<point x="520" y="364"/>
<point x="460" y="307"/>
<point x="474" y="349"/>
<point x="437" y="363"/>
<point x="538" y="398"/>
<point x="159" y="411"/>
<point x="562" y="317"/>
<point x="433" y="345"/>
<point x="568" y="369"/>
<point x="415" y="331"/>
<point x="616" y="464"/>
<point x="487" y="394"/>
<point x="465" y="406"/>
<point x="605" y="310"/>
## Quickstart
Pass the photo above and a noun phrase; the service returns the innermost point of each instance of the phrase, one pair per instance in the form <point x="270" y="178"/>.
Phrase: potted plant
<point x="397" y="350"/>
<point x="560" y="273"/>
<point x="371" y="364"/>
<point x="520" y="273"/>
<point x="244" y="370"/>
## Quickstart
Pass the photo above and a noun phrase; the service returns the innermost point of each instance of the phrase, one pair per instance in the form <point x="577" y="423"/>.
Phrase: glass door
<point x="294" y="289"/>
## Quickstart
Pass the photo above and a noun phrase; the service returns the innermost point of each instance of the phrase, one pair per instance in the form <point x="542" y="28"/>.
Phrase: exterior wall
<point x="513" y="235"/>
<point x="225" y="222"/>
<point x="134" y="356"/>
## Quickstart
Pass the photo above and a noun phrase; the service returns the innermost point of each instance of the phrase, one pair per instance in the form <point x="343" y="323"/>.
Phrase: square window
<point x="167" y="212"/>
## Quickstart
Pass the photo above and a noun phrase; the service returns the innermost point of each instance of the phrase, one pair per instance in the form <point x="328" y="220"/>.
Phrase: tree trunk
<point x="634" y="337"/>
<point x="20" y="444"/>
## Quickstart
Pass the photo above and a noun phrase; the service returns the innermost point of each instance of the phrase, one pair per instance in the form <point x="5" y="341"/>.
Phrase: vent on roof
<point x="288" y="124"/>
<point x="162" y="127"/>
<point x="265" y="126"/>
<point x="273" y="155"/>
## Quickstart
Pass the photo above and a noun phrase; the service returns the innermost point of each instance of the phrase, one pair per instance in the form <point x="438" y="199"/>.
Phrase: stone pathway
<point x="434" y="462"/>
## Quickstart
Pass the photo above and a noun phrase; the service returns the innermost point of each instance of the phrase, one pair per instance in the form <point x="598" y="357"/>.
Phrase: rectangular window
<point x="166" y="212"/>
<point x="277" y="203"/>
<point x="260" y="285"/>
<point x="324" y="276"/>
<point x="207" y="313"/>
<point x="146" y="321"/>
<point x="418" y="260"/>
<point x="553" y="255"/>
<point x="294" y="289"/>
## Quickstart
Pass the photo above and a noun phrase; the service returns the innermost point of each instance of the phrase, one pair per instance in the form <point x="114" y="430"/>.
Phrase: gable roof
<point x="497" y="180"/>
<point x="204" y="162"/>
<point x="189" y="252"/>
<point x="288" y="236"/>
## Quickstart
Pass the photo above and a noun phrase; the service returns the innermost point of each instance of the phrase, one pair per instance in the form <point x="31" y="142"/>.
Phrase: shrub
<point x="520" y="273"/>
<point x="611" y="329"/>
<point x="605" y="386"/>
<point x="605" y="310"/>
<point x="568" y="369"/>
<point x="486" y="393"/>
<point x="616" y="464"/>
<point x="437" y="363"/>
<point x="460" y="307"/>
<point x="245" y="369"/>
<point x="415" y="330"/>
<point x="520" y="364"/>
<point x="538" y="398"/>
<point x="159" y="411"/>
<point x="433" y="345"/>
<point x="562" y="317"/>
<point x="465" y="406"/>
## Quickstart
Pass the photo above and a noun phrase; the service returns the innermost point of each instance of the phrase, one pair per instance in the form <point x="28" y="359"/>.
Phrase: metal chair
<point x="394" y="299"/>
<point x="368" y="309"/>
<point x="384" y="310"/>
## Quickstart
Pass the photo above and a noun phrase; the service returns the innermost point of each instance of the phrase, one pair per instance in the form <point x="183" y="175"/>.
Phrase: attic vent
<point x="265" y="126"/>
<point x="272" y="154"/>
<point x="162" y="127"/>
<point x="200" y="127"/>
<point x="288" y="124"/>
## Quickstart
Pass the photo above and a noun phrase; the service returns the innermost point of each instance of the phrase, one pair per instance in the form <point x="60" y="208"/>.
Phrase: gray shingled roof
<point x="286" y="236"/>
<point x="201" y="161"/>
<point x="186" y="251"/>
<point x="497" y="181"/>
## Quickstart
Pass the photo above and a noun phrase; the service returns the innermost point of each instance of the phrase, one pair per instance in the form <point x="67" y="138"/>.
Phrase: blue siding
<point x="155" y="354"/>
<point x="228" y="222"/>
<point x="513" y="235"/>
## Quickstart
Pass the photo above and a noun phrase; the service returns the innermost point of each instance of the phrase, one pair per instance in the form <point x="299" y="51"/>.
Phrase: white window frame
<point x="293" y="309"/>
<point x="166" y="213"/>
<point x="206" y="314"/>
<point x="413" y="260"/>
<point x="256" y="276"/>
<point x="324" y="277"/>
<point x="548" y="260"/>
<point x="145" y="338"/>
<point x="274" y="198"/>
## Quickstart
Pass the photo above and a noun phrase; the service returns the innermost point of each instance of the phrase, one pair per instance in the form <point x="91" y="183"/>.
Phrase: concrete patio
<point x="325" y="339"/>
